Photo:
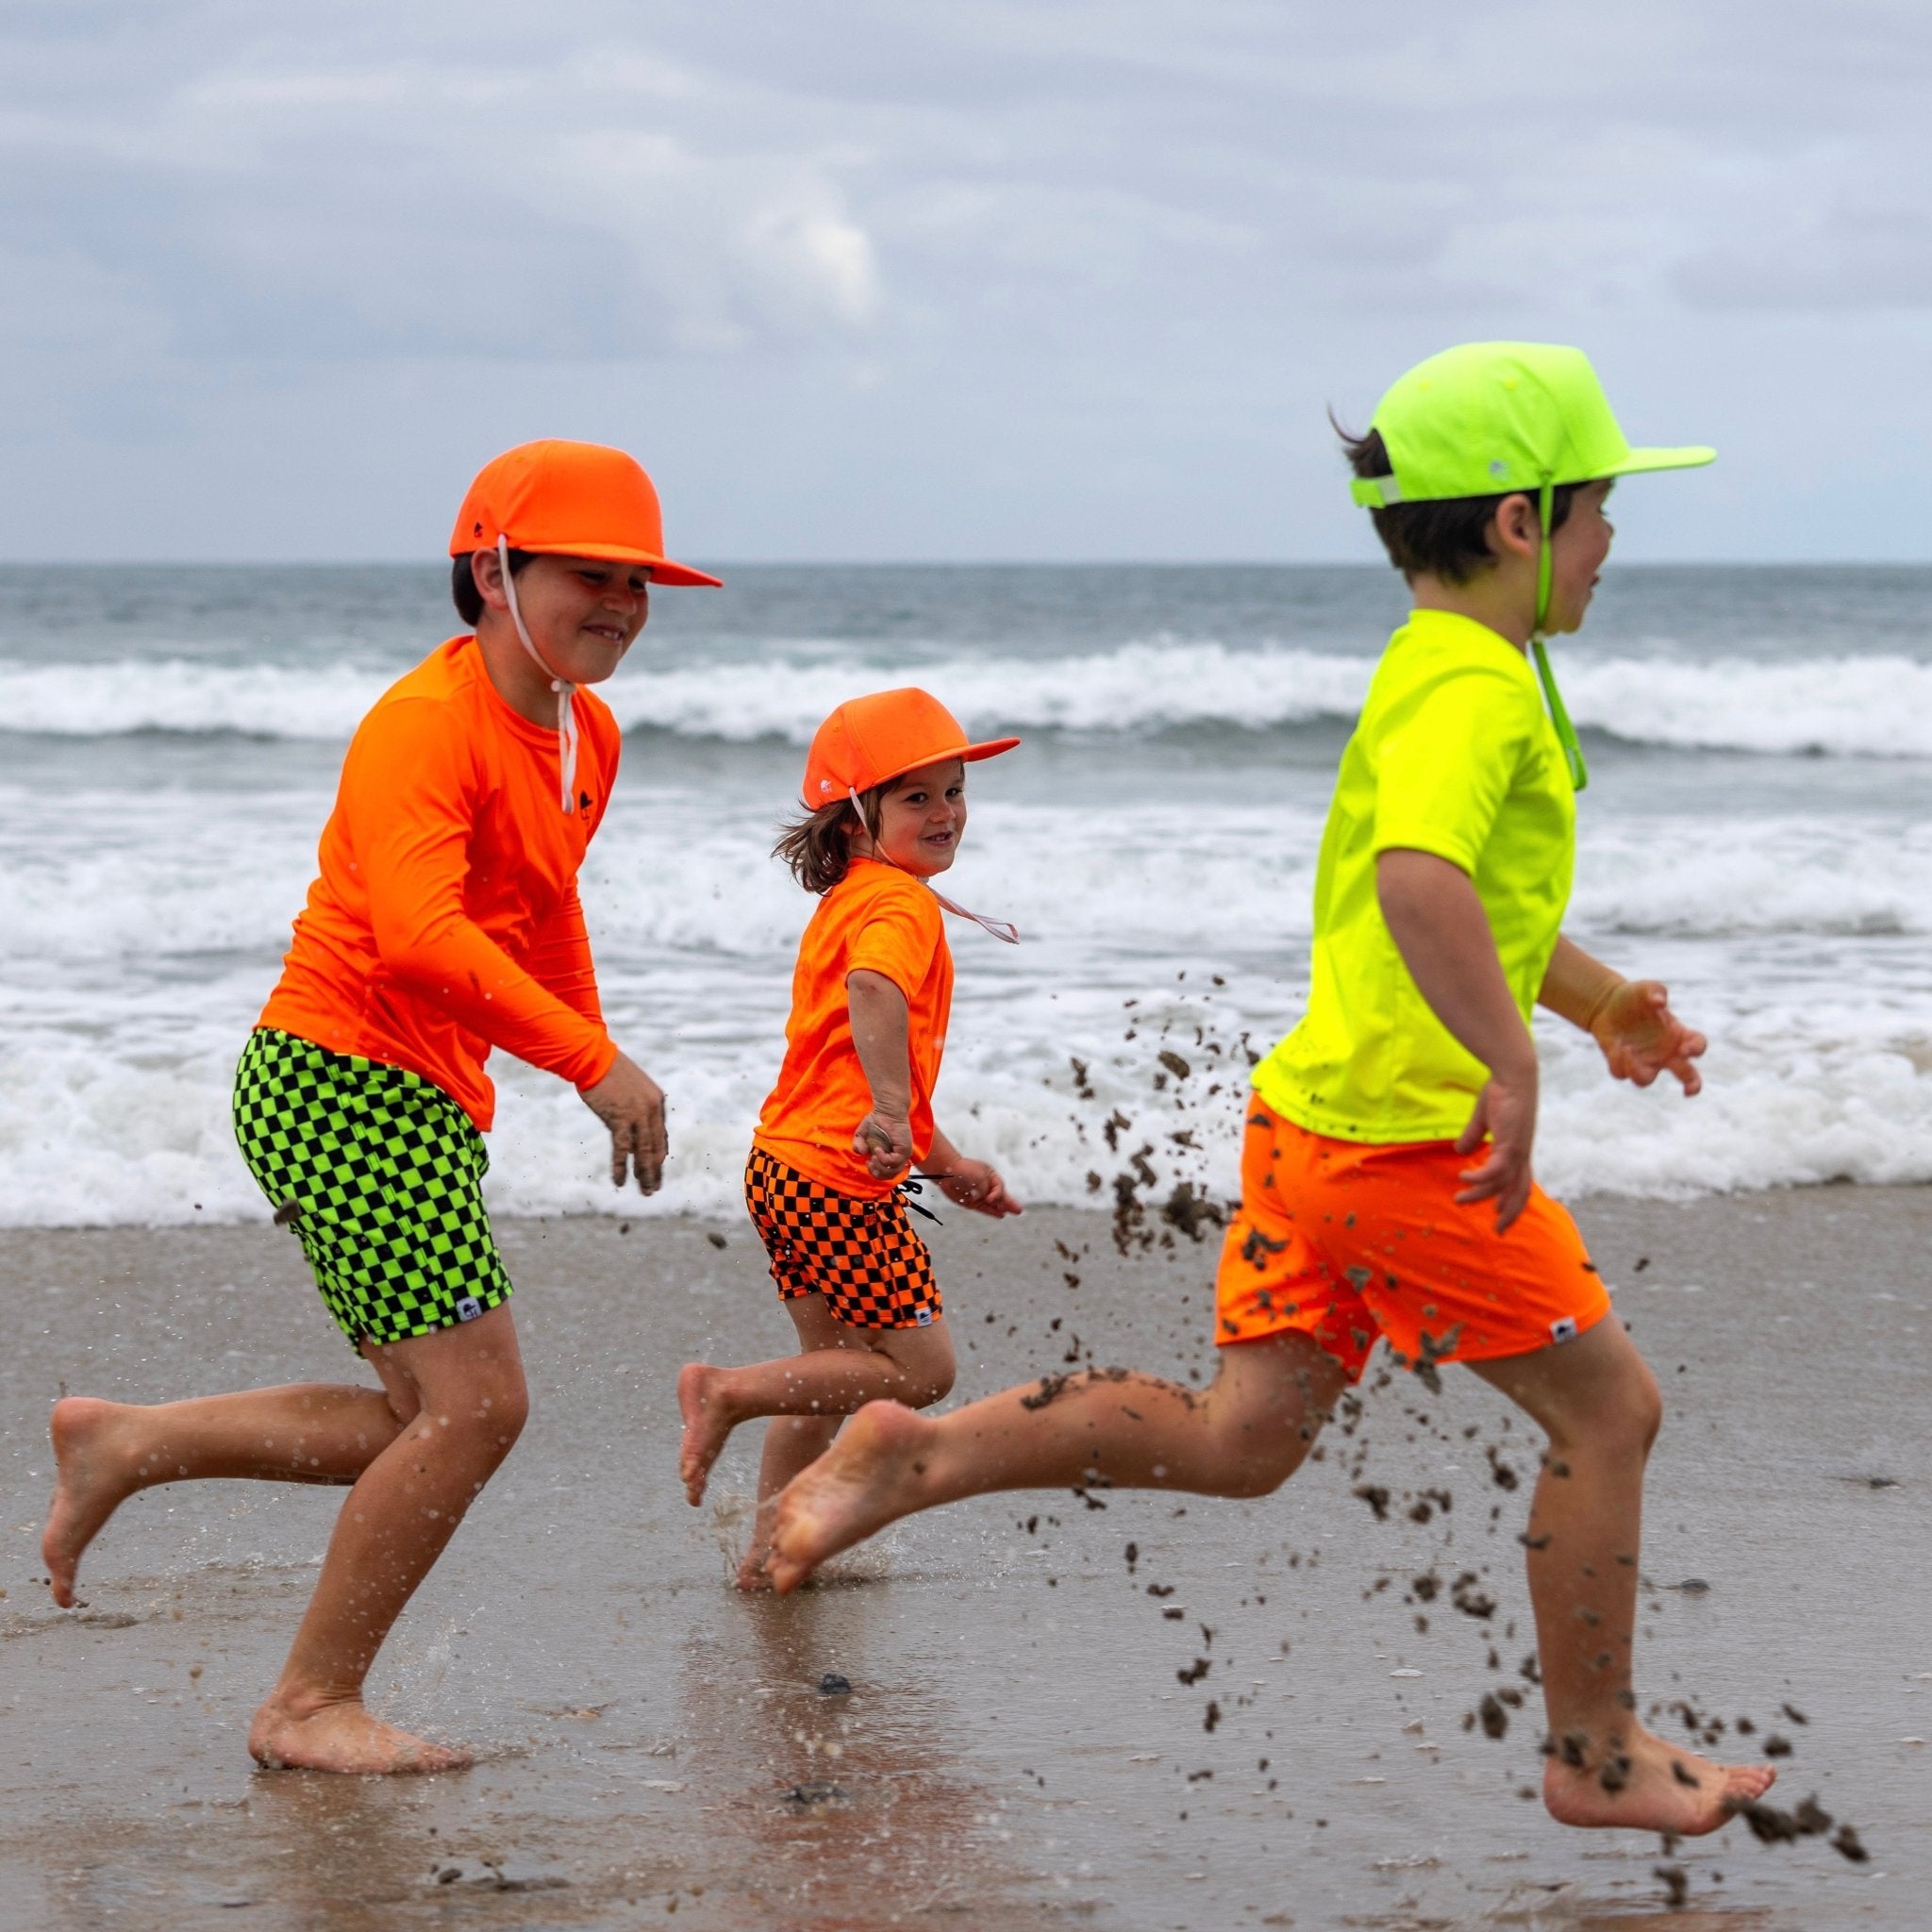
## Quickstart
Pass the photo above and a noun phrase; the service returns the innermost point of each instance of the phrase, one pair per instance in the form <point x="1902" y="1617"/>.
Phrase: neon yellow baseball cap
<point x="1489" y="418"/>
<point x="1486" y="419"/>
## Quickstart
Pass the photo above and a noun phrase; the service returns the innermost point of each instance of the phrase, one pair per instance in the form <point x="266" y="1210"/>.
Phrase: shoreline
<point x="1606" y="1205"/>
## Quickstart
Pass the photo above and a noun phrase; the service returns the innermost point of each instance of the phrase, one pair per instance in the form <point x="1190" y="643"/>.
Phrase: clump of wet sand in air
<point x="1186" y="1209"/>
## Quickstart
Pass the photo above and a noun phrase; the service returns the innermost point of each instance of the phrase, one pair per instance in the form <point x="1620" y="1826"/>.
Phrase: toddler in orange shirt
<point x="885" y="796"/>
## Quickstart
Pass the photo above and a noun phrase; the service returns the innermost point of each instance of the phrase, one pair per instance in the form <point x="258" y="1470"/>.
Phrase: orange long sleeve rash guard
<point x="445" y="920"/>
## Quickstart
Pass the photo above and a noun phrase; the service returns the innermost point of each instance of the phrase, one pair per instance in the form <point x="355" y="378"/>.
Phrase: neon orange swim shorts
<point x="1347" y="1241"/>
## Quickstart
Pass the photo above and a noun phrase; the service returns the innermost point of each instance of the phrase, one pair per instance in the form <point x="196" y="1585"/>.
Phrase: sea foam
<point x="1851" y="706"/>
<point x="136" y="950"/>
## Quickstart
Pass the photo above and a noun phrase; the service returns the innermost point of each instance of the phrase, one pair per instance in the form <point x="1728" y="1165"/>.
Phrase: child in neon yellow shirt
<point x="1385" y="1182"/>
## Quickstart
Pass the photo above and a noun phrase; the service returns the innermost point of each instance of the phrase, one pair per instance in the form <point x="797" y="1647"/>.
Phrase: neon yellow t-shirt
<point x="1454" y="754"/>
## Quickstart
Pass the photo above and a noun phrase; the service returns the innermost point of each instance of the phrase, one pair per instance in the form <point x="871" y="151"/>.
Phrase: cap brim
<point x="1692" y="456"/>
<point x="991" y="749"/>
<point x="662" y="568"/>
<point x="966" y="754"/>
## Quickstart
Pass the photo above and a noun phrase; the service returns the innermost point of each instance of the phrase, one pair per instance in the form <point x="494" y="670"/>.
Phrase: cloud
<point x="577" y="208"/>
<point x="1108" y="251"/>
<point x="745" y="181"/>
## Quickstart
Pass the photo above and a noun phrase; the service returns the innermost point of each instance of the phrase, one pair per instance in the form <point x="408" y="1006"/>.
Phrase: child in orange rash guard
<point x="885" y="793"/>
<point x="444" y="923"/>
<point x="1369" y="1204"/>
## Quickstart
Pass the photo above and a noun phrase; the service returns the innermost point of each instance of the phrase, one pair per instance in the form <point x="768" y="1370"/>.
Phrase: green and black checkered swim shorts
<point x="380" y="1172"/>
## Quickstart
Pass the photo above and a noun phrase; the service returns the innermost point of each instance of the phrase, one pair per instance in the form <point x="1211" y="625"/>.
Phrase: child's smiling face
<point x="923" y="818"/>
<point x="583" y="613"/>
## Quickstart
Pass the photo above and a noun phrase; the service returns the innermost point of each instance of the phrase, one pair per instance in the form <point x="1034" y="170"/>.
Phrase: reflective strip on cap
<point x="1376" y="492"/>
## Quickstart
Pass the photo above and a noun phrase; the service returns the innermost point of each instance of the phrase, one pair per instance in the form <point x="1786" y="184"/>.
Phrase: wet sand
<point x="1018" y="1749"/>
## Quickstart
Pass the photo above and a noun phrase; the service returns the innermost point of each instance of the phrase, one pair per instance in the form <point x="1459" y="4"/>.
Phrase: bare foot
<point x="97" y="1467"/>
<point x="343" y="1737"/>
<point x="869" y="1477"/>
<point x="754" y="1575"/>
<point x="707" y="1421"/>
<point x="1646" y="1784"/>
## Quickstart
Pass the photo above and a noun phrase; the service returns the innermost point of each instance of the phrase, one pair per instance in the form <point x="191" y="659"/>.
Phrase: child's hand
<point x="975" y="1184"/>
<point x="886" y="1140"/>
<point x="631" y="1104"/>
<point x="1642" y="1037"/>
<point x="1505" y="1114"/>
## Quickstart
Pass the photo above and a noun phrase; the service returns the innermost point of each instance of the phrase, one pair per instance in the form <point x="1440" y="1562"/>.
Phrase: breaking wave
<point x="1854" y="707"/>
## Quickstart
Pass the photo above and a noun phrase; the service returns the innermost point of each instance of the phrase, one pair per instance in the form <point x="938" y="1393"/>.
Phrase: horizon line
<point x="938" y="563"/>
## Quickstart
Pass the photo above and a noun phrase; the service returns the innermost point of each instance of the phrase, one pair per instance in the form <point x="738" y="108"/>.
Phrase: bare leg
<point x="471" y="1404"/>
<point x="840" y="1368"/>
<point x="103" y="1452"/>
<point x="1601" y="1407"/>
<point x="1107" y="1427"/>
<point x="417" y="1451"/>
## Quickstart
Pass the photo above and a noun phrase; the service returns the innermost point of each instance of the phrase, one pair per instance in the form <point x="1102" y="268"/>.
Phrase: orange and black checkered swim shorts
<point x="862" y="1255"/>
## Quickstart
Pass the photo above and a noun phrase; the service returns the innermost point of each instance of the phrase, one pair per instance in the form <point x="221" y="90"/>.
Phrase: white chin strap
<point x="566" y="718"/>
<point x="1000" y="928"/>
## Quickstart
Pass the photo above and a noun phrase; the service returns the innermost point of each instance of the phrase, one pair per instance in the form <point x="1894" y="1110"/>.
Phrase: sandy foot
<point x="343" y="1738"/>
<point x="93" y="1476"/>
<point x="706" y="1424"/>
<point x="869" y="1477"/>
<point x="1650" y="1786"/>
<point x="754" y="1574"/>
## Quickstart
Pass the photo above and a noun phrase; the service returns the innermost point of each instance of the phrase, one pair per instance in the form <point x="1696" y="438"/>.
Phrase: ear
<point x="486" y="573"/>
<point x="1516" y="529"/>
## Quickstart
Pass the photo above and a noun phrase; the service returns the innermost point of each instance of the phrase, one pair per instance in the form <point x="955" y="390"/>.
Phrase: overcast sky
<point x="944" y="278"/>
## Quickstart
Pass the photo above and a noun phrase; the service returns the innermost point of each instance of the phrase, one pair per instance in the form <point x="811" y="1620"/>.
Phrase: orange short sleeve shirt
<point x="884" y="921"/>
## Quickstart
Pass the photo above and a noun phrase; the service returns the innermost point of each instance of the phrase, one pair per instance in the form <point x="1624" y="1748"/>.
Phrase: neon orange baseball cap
<point x="569" y="499"/>
<point x="869" y="741"/>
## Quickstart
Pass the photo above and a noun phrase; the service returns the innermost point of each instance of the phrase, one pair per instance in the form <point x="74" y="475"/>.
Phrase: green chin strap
<point x="1566" y="732"/>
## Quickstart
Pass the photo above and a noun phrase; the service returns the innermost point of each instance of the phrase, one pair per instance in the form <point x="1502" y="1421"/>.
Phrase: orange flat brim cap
<point x="569" y="499"/>
<point x="874" y="740"/>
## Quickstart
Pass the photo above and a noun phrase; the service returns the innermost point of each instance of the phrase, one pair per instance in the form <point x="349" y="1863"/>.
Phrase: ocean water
<point x="1754" y="834"/>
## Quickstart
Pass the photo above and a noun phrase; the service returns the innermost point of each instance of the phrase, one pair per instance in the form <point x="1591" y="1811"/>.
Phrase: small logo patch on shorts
<point x="922" y="1317"/>
<point x="470" y="1308"/>
<point x="1564" y="1330"/>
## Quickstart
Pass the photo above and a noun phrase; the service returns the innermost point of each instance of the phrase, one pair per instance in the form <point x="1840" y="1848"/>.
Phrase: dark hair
<point x="818" y="847"/>
<point x="462" y="584"/>
<point x="1448" y="539"/>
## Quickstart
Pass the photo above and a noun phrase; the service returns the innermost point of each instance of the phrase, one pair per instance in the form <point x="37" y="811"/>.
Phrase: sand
<point x="1018" y="1749"/>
